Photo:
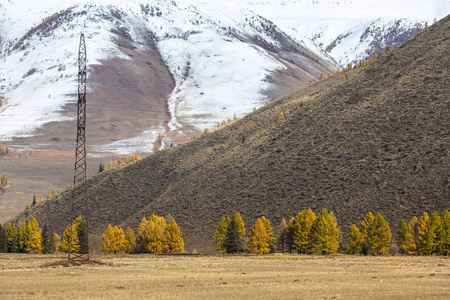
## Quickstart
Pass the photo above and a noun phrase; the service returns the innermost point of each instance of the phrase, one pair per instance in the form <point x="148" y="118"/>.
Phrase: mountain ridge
<point x="371" y="139"/>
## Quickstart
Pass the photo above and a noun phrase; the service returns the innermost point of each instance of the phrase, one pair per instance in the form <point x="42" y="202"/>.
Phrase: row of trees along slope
<point x="306" y="233"/>
<point x="376" y="139"/>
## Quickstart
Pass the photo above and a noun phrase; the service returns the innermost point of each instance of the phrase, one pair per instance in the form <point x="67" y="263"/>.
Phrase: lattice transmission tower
<point x="79" y="205"/>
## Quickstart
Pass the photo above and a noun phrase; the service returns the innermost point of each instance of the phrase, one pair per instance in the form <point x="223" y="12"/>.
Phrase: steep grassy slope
<point x="378" y="140"/>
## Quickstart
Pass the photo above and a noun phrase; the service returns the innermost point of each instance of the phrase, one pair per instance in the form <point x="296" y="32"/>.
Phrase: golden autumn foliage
<point x="70" y="240"/>
<point x="34" y="244"/>
<point x="155" y="237"/>
<point x="325" y="233"/>
<point x="113" y="240"/>
<point x="270" y="236"/>
<point x="173" y="241"/>
<point x="379" y="236"/>
<point x="356" y="239"/>
<point x="128" y="243"/>
<point x="402" y="237"/>
<point x="258" y="239"/>
<point x="302" y="226"/>
<point x="240" y="225"/>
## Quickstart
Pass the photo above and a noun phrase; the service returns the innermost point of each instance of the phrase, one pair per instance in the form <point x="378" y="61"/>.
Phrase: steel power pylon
<point x="79" y="205"/>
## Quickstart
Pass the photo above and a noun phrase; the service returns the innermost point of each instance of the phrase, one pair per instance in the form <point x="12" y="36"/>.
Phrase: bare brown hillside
<point x="376" y="139"/>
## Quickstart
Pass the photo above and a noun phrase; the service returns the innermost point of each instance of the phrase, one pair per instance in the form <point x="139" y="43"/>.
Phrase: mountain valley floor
<point x="28" y="276"/>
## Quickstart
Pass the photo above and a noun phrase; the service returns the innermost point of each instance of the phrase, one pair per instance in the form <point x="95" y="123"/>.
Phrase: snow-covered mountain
<point x="350" y="30"/>
<point x="178" y="67"/>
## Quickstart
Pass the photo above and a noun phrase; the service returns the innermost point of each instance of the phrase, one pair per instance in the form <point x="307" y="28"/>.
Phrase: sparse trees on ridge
<point x="123" y="160"/>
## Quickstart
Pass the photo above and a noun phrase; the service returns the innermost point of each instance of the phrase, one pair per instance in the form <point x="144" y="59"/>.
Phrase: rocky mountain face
<point x="375" y="138"/>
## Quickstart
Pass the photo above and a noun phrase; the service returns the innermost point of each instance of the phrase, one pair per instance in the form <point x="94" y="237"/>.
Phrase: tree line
<point x="154" y="236"/>
<point x="28" y="238"/>
<point x="308" y="233"/>
<point x="305" y="233"/>
<point x="425" y="236"/>
<point x="123" y="160"/>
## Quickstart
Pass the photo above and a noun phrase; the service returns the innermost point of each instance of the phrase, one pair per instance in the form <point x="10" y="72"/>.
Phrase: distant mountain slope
<point x="351" y="30"/>
<point x="375" y="139"/>
<point x="162" y="67"/>
<point x="198" y="62"/>
<point x="159" y="67"/>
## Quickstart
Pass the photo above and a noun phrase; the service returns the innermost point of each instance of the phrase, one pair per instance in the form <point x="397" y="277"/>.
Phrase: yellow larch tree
<point x="402" y="237"/>
<point x="219" y="235"/>
<point x="302" y="228"/>
<point x="325" y="234"/>
<point x="413" y="233"/>
<point x="70" y="239"/>
<point x="119" y="239"/>
<point x="128" y="242"/>
<point x="257" y="240"/>
<point x="155" y="234"/>
<point x="108" y="240"/>
<point x="270" y="237"/>
<point x="379" y="236"/>
<point x="141" y="237"/>
<point x="34" y="243"/>
<point x="240" y="225"/>
<point x="173" y="240"/>
<point x="356" y="239"/>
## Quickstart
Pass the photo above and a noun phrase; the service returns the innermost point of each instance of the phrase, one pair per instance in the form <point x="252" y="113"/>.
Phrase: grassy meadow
<point x="26" y="276"/>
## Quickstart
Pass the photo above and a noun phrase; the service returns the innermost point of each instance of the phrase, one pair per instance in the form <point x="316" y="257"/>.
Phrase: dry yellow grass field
<point x="224" y="277"/>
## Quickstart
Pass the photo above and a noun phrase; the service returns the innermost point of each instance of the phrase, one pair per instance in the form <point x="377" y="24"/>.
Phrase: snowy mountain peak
<point x="197" y="62"/>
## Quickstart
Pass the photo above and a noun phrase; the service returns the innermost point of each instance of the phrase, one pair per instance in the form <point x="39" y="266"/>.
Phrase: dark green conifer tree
<point x="48" y="240"/>
<point x="444" y="234"/>
<point x="82" y="237"/>
<point x="233" y="241"/>
<point x="3" y="240"/>
<point x="12" y="234"/>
